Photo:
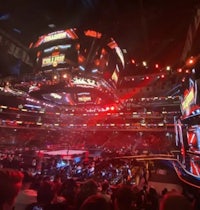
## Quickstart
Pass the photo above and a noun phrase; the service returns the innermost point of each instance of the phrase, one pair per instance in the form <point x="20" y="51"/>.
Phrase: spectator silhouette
<point x="95" y="202"/>
<point x="124" y="198"/>
<point x="175" y="200"/>
<point x="87" y="189"/>
<point x="10" y="184"/>
<point x="45" y="196"/>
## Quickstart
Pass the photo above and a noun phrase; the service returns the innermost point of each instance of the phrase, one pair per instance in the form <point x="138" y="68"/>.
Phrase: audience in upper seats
<point x="10" y="184"/>
<point x="175" y="200"/>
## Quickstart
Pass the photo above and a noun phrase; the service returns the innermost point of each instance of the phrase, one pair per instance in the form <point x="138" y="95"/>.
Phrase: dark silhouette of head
<point x="124" y="198"/>
<point x="175" y="200"/>
<point x="10" y="184"/>
<point x="96" y="202"/>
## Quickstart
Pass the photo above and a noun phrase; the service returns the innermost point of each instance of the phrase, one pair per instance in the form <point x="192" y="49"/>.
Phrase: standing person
<point x="10" y="184"/>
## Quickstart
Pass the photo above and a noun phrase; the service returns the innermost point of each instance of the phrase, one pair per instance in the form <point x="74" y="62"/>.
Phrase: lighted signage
<point x="53" y="60"/>
<point x="84" y="98"/>
<point x="55" y="36"/>
<point x="80" y="81"/>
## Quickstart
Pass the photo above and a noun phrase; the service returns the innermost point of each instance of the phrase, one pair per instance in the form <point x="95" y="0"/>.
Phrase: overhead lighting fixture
<point x="144" y="63"/>
<point x="94" y="70"/>
<point x="51" y="25"/>
<point x="82" y="68"/>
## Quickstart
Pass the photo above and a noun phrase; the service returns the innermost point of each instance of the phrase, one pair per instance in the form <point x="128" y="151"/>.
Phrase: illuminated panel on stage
<point x="189" y="102"/>
<point x="193" y="141"/>
<point x="115" y="75"/>
<point x="195" y="166"/>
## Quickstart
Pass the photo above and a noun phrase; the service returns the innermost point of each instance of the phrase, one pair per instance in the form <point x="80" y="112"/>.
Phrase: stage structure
<point x="188" y="125"/>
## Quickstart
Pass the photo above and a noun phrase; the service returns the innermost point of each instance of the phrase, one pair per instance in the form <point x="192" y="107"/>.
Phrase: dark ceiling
<point x="149" y="29"/>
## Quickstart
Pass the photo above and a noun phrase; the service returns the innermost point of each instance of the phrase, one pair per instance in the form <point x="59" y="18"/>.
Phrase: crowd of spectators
<point x="40" y="192"/>
<point x="154" y="142"/>
<point x="116" y="184"/>
<point x="107" y="181"/>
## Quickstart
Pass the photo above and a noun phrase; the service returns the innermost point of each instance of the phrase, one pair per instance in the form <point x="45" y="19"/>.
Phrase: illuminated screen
<point x="53" y="60"/>
<point x="189" y="101"/>
<point x="193" y="138"/>
<point x="57" y="56"/>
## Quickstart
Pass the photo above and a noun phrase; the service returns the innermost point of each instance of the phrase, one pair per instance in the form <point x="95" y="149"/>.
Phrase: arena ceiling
<point x="153" y="30"/>
<point x="149" y="30"/>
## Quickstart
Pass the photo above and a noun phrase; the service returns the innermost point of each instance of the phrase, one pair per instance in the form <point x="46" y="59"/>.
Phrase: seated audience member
<point x="69" y="191"/>
<point x="26" y="195"/>
<point x="175" y="200"/>
<point x="87" y="189"/>
<point x="124" y="198"/>
<point x="96" y="202"/>
<point x="45" y="196"/>
<point x="10" y="184"/>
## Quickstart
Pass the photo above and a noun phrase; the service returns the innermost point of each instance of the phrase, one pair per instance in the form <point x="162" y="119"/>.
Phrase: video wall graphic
<point x="190" y="102"/>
